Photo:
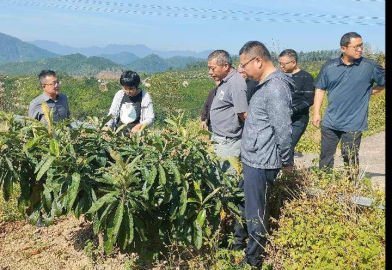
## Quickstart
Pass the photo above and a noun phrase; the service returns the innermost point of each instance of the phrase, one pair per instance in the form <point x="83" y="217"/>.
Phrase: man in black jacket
<point x="302" y="96"/>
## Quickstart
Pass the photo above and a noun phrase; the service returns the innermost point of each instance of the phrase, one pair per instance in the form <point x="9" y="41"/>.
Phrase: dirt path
<point x="371" y="159"/>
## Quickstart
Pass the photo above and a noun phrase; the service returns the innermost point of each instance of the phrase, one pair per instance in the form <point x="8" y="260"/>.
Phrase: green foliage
<point x="138" y="191"/>
<point x="326" y="231"/>
<point x="73" y="64"/>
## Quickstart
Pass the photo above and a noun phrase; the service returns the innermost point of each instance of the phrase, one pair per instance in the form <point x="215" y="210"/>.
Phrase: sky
<point x="196" y="25"/>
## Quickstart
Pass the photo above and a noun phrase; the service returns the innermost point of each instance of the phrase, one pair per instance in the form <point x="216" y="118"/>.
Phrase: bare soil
<point x="60" y="246"/>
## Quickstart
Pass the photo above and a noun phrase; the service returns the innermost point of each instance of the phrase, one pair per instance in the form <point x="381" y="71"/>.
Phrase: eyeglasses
<point x="284" y="64"/>
<point x="356" y="47"/>
<point x="244" y="65"/>
<point x="55" y="83"/>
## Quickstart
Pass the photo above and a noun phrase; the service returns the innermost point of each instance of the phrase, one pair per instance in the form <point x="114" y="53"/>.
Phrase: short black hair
<point x="255" y="49"/>
<point x="345" y="40"/>
<point x="290" y="53"/>
<point x="130" y="78"/>
<point x="45" y="73"/>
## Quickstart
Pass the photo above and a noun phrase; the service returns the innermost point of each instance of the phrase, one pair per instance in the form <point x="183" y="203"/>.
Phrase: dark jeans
<point x="241" y="231"/>
<point x="257" y="185"/>
<point x="299" y="127"/>
<point x="350" y="143"/>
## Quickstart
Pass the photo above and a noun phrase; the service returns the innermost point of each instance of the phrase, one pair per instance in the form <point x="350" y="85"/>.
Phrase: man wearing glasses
<point x="266" y="141"/>
<point x="228" y="108"/>
<point x="349" y="81"/>
<point x="56" y="101"/>
<point x="302" y="97"/>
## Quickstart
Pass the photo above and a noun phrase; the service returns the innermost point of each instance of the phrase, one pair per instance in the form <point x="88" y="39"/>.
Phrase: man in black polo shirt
<point x="349" y="81"/>
<point x="302" y="96"/>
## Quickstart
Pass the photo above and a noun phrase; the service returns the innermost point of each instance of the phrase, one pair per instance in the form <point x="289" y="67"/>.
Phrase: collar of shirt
<point x="225" y="79"/>
<point x="355" y="62"/>
<point x="47" y="98"/>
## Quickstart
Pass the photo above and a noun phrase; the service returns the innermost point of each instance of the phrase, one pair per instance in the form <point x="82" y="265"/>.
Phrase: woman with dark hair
<point x="131" y="105"/>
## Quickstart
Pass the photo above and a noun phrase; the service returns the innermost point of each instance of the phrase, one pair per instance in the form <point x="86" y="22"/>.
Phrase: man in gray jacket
<point x="266" y="140"/>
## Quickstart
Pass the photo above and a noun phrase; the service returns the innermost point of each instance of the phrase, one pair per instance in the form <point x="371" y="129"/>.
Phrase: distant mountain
<point x="179" y="62"/>
<point x="150" y="64"/>
<point x="123" y="58"/>
<point x="15" y="50"/>
<point x="74" y="64"/>
<point x="139" y="50"/>
<point x="153" y="63"/>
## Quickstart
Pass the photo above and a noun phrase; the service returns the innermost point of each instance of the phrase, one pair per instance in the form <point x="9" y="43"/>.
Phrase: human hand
<point x="316" y="120"/>
<point x="136" y="128"/>
<point x="105" y="128"/>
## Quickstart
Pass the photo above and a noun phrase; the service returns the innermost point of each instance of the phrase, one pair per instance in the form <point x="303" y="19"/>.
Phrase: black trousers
<point x="299" y="127"/>
<point x="257" y="186"/>
<point x="350" y="143"/>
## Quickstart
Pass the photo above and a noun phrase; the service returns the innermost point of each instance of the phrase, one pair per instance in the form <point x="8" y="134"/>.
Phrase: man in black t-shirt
<point x="302" y="97"/>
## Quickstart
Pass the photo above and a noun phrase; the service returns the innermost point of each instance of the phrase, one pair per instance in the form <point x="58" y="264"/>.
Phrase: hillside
<point x="123" y="58"/>
<point x="15" y="50"/>
<point x="153" y="63"/>
<point x="74" y="64"/>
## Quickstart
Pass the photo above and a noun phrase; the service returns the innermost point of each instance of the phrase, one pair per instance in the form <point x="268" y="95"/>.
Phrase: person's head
<point x="287" y="60"/>
<point x="241" y="71"/>
<point x="351" y="45"/>
<point x="49" y="83"/>
<point x="219" y="64"/>
<point x="130" y="81"/>
<point x="254" y="57"/>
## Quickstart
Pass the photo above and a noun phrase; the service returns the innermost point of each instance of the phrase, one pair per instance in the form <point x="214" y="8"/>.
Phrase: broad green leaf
<point x="151" y="178"/>
<point x="9" y="163"/>
<point x="162" y="175"/>
<point x="183" y="201"/>
<point x="108" y="198"/>
<point x="118" y="158"/>
<point x="198" y="191"/>
<point x="73" y="190"/>
<point x="197" y="234"/>
<point x="7" y="186"/>
<point x="193" y="200"/>
<point x="130" y="225"/>
<point x="45" y="167"/>
<point x="133" y="164"/>
<point x="118" y="217"/>
<point x="47" y="198"/>
<point x="171" y="122"/>
<point x="201" y="217"/>
<point x="177" y="177"/>
<point x="31" y="143"/>
<point x="211" y="195"/>
<point x="140" y="228"/>
<point x="54" y="147"/>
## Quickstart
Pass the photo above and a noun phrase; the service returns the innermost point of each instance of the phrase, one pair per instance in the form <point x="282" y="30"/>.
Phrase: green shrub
<point x="325" y="231"/>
